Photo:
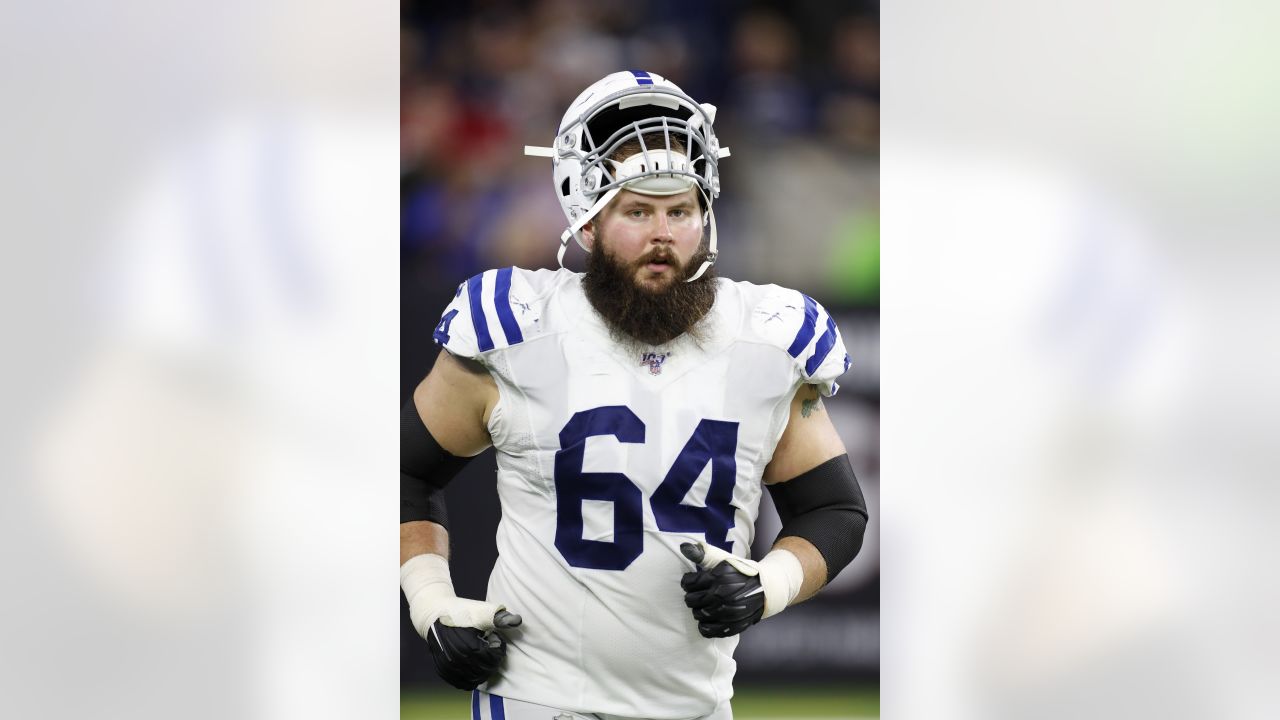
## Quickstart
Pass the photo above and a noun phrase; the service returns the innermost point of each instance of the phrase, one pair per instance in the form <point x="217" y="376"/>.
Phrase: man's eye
<point x="678" y="213"/>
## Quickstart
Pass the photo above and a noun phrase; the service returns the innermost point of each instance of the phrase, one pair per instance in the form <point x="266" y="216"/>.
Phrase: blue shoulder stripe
<point x="823" y="348"/>
<point x="502" y="301"/>
<point x="496" y="710"/>
<point x="478" y="320"/>
<point x="475" y="705"/>
<point x="807" y="328"/>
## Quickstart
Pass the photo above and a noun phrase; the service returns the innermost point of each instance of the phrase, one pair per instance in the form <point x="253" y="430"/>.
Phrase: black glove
<point x="466" y="657"/>
<point x="724" y="601"/>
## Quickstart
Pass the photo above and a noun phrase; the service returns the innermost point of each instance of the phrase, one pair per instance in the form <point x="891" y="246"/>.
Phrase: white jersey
<point x="608" y="460"/>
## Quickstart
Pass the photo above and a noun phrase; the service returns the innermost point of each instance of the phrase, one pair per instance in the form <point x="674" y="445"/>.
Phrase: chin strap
<point x="711" y="244"/>
<point x="573" y="229"/>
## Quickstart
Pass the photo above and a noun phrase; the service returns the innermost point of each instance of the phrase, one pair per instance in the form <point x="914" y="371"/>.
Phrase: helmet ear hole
<point x="564" y="187"/>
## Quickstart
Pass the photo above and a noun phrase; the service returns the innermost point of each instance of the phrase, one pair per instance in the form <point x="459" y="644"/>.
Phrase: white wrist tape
<point x="781" y="574"/>
<point x="429" y="589"/>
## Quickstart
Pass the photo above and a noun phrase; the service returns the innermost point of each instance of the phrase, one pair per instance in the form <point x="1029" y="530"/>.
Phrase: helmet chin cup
<point x="660" y="186"/>
<point x="655" y="172"/>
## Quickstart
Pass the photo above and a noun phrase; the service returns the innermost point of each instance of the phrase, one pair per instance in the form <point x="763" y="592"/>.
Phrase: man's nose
<point x="662" y="230"/>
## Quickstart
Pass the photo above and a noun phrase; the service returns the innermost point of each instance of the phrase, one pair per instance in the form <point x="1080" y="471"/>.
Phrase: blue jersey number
<point x="441" y="334"/>
<point x="573" y="486"/>
<point x="713" y="441"/>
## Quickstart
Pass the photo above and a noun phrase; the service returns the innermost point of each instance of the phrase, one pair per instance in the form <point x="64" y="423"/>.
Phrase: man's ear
<point x="589" y="235"/>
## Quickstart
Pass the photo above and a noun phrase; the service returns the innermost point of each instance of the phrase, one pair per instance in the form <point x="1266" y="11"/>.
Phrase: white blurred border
<point x="1077" y="475"/>
<point x="202" y="214"/>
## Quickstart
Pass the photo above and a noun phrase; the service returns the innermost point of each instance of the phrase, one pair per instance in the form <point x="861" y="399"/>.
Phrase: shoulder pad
<point x="799" y="325"/>
<point x="494" y="310"/>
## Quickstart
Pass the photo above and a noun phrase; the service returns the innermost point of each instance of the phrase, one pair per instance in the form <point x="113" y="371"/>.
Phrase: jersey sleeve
<point x="803" y="328"/>
<point x="490" y="311"/>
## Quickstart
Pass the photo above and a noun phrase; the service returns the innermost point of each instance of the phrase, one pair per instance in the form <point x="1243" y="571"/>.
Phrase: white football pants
<point x="492" y="707"/>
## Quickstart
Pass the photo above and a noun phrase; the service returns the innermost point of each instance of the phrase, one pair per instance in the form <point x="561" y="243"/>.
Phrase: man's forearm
<point x="423" y="536"/>
<point x="815" y="567"/>
<point x="822" y="510"/>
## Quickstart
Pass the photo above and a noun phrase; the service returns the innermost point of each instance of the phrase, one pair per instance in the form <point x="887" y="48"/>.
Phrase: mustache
<point x="659" y="254"/>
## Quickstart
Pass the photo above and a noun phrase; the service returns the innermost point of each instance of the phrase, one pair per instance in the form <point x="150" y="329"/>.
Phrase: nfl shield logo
<point x="654" y="361"/>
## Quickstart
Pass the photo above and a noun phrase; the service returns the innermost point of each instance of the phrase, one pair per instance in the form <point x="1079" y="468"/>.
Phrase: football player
<point x="638" y="410"/>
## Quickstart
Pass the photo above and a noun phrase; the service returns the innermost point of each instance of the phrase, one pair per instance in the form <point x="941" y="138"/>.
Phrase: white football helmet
<point x="624" y="106"/>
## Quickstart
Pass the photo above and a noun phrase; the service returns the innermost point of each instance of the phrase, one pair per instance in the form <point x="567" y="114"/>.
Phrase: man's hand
<point x="729" y="594"/>
<point x="465" y="657"/>
<point x="461" y="633"/>
<point x="724" y="599"/>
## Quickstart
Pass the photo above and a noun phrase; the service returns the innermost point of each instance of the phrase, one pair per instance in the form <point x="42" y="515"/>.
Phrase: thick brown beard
<point x="651" y="317"/>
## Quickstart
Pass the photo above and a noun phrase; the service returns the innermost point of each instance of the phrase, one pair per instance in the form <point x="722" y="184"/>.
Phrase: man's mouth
<point x="659" y="263"/>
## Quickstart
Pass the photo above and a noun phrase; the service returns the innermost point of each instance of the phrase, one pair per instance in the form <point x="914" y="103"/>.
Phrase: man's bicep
<point x="809" y="440"/>
<point x="454" y="401"/>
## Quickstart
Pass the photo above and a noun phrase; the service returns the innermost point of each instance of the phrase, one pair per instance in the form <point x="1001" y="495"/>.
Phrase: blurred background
<point x="797" y="87"/>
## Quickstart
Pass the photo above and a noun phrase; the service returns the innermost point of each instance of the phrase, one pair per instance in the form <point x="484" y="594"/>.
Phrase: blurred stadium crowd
<point x="798" y="94"/>
<point x="797" y="91"/>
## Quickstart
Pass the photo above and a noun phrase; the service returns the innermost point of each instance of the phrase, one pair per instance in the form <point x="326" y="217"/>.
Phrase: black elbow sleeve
<point x="824" y="506"/>
<point x="425" y="468"/>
